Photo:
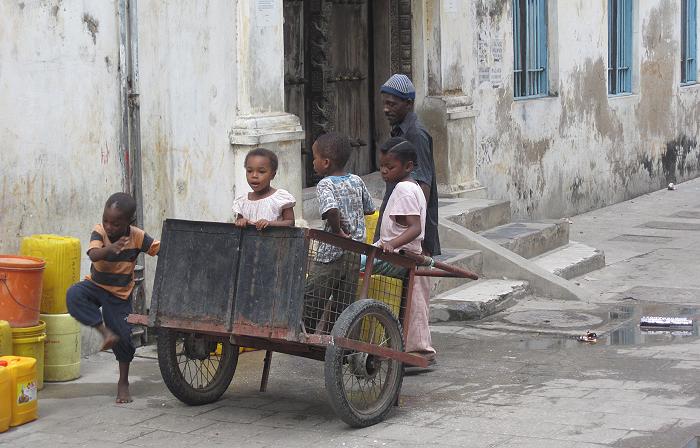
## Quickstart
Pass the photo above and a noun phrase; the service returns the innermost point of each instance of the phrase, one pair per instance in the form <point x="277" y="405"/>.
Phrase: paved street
<point x="517" y="379"/>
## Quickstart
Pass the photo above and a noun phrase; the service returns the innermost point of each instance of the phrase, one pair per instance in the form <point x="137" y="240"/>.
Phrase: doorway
<point x="337" y="54"/>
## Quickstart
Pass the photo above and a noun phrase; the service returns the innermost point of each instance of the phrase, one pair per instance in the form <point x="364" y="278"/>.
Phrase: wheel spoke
<point x="199" y="374"/>
<point x="368" y="381"/>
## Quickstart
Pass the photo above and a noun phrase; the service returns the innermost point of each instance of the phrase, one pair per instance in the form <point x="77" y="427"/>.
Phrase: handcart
<point x="218" y="288"/>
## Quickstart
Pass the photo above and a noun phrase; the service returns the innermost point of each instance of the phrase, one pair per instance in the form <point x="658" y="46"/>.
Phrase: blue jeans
<point x="91" y="305"/>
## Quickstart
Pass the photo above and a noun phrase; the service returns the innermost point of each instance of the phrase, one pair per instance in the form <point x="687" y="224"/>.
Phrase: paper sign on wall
<point x="264" y="13"/>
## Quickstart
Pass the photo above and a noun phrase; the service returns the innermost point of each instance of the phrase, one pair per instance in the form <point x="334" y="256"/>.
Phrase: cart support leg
<point x="266" y="371"/>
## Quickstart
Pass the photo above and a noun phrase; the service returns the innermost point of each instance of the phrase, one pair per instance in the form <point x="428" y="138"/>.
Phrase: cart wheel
<point x="362" y="388"/>
<point x="197" y="368"/>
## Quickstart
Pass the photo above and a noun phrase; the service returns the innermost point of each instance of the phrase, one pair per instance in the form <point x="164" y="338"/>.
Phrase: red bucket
<point x="20" y="289"/>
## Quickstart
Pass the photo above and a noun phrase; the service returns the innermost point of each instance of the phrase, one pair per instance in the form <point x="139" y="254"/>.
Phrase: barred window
<point x="530" y="48"/>
<point x="689" y="41"/>
<point x="619" y="46"/>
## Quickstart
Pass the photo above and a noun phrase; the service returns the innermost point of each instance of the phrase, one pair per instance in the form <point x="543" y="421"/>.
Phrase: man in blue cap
<point x="398" y="95"/>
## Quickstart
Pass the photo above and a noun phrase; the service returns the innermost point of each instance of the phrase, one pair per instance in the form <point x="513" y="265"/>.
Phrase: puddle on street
<point x="693" y="443"/>
<point x="548" y="343"/>
<point x="628" y="332"/>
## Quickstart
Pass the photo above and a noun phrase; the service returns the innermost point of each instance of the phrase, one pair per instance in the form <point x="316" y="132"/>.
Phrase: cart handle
<point x="448" y="270"/>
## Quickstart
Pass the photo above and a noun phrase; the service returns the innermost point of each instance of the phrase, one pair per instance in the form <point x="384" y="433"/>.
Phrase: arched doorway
<point x="337" y="54"/>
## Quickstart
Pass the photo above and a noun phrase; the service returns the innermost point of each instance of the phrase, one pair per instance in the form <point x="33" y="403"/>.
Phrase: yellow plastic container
<point x="371" y="222"/>
<point x="62" y="256"/>
<point x="5" y="338"/>
<point x="23" y="389"/>
<point x="384" y="289"/>
<point x="28" y="342"/>
<point x="5" y="396"/>
<point x="219" y="349"/>
<point x="61" y="347"/>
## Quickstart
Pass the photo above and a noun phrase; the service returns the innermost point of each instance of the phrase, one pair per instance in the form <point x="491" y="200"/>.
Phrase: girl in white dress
<point x="264" y="206"/>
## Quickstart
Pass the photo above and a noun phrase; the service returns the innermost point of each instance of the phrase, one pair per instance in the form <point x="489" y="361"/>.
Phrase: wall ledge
<point x="251" y="130"/>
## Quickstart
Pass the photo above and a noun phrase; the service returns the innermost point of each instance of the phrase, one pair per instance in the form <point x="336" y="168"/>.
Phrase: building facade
<point x="560" y="106"/>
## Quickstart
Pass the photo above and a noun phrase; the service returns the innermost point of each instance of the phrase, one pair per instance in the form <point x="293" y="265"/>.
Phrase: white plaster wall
<point x="188" y="101"/>
<point x="579" y="148"/>
<point x="59" y="117"/>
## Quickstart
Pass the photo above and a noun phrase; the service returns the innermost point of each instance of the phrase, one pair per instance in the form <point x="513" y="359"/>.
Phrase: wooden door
<point x="328" y="74"/>
<point x="348" y="79"/>
<point x="295" y="77"/>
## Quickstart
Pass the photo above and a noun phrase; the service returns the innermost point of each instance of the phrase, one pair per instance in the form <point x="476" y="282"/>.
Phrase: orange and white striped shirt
<point x="115" y="273"/>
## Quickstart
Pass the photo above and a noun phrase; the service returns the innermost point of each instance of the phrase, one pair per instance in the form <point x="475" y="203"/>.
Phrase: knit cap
<point x="400" y="86"/>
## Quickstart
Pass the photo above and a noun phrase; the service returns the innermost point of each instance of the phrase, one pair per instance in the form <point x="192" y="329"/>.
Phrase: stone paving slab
<point x="495" y="387"/>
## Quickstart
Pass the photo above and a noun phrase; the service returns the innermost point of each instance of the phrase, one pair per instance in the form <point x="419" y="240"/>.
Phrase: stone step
<point x="476" y="215"/>
<point x="573" y="260"/>
<point x="529" y="239"/>
<point x="463" y="258"/>
<point x="375" y="185"/>
<point x="474" y="193"/>
<point x="477" y="300"/>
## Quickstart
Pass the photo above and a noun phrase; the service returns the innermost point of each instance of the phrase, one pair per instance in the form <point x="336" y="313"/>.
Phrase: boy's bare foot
<point x="123" y="395"/>
<point x="108" y="337"/>
<point x="109" y="342"/>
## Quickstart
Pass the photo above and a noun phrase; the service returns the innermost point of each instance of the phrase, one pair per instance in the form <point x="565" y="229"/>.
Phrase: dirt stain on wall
<point x="660" y="47"/>
<point x="92" y="26"/>
<point x="675" y="160"/>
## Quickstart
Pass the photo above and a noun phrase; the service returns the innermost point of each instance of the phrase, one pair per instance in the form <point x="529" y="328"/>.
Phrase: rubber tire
<point x="334" y="365"/>
<point x="178" y="385"/>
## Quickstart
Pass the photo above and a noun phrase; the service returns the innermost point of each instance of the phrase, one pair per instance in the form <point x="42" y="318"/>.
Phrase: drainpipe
<point x="130" y="132"/>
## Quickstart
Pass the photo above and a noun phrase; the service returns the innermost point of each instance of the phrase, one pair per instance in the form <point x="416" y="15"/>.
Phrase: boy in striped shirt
<point x="103" y="299"/>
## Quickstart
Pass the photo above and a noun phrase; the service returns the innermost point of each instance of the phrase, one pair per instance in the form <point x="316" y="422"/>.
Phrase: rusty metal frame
<point x="313" y="346"/>
<point x="360" y="248"/>
<point x="407" y="358"/>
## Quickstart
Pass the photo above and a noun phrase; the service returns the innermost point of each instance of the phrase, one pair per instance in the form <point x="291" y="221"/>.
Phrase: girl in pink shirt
<point x="403" y="228"/>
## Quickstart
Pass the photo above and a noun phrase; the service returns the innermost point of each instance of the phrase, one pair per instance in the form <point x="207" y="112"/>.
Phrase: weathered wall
<point x="188" y="102"/>
<point x="581" y="149"/>
<point x="60" y="110"/>
<point x="59" y="117"/>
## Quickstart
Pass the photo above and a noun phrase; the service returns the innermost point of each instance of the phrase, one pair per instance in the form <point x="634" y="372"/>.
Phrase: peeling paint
<point x="92" y="26"/>
<point x="582" y="149"/>
<point x="491" y="8"/>
<point x="675" y="162"/>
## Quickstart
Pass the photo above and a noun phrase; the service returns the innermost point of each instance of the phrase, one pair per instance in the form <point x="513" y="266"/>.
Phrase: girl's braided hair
<point x="400" y="148"/>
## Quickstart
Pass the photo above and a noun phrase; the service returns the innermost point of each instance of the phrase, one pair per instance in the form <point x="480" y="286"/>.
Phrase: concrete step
<point x="473" y="193"/>
<point x="477" y="300"/>
<point x="375" y="185"/>
<point x="529" y="239"/>
<point x="573" y="260"/>
<point x="463" y="258"/>
<point x="310" y="206"/>
<point x="476" y="215"/>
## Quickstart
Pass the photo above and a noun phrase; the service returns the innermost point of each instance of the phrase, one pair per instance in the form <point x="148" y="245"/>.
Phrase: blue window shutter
<point x="620" y="39"/>
<point x="627" y="44"/>
<point x="611" y="42"/>
<point x="692" y="54"/>
<point x="517" y="61"/>
<point x="542" y="47"/>
<point x="689" y="39"/>
<point x="530" y="48"/>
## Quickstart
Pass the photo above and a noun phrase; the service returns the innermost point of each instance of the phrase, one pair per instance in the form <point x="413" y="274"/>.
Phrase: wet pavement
<point x="517" y="379"/>
<point x="492" y="389"/>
